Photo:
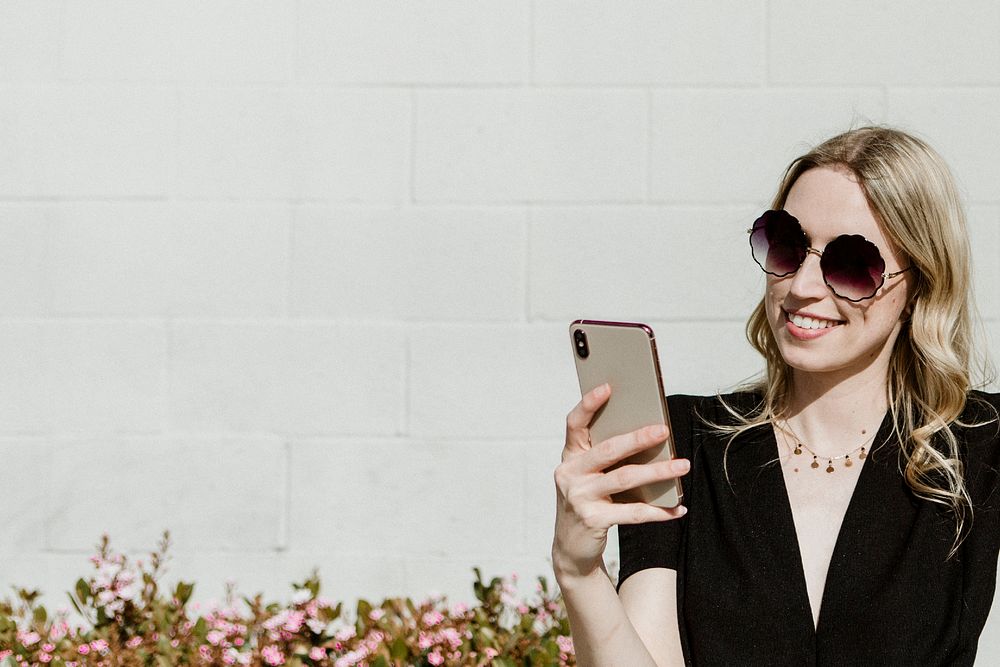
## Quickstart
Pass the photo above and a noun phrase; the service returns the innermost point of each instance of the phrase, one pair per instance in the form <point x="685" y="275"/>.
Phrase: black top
<point x="891" y="597"/>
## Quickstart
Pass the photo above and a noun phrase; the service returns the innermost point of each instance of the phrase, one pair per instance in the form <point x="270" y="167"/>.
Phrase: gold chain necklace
<point x="829" y="459"/>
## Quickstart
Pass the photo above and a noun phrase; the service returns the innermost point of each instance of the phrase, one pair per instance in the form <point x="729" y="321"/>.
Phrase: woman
<point x="843" y="510"/>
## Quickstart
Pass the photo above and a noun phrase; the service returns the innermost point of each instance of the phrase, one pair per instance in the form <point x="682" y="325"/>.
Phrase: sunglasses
<point x="851" y="265"/>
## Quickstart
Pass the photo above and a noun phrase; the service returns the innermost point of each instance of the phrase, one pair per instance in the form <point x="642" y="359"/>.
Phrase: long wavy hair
<point x="913" y="196"/>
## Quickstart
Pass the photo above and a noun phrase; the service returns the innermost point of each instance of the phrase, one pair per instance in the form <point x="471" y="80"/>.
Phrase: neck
<point x="832" y="414"/>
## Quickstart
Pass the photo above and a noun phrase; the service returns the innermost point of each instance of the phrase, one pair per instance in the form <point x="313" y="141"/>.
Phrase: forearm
<point x="603" y="636"/>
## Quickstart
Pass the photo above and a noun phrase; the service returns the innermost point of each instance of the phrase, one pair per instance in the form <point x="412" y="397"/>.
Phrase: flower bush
<point x="129" y="620"/>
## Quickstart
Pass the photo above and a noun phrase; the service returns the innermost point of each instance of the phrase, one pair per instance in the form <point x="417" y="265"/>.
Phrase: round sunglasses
<point x="851" y="265"/>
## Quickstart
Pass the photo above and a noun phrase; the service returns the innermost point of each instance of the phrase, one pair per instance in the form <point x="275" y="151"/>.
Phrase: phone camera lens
<point x="582" y="349"/>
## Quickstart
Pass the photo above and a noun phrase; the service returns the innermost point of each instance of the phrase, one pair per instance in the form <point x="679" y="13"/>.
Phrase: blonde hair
<point x="913" y="195"/>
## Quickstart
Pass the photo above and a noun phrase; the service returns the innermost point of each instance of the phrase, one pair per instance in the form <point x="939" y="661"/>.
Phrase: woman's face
<point x="843" y="337"/>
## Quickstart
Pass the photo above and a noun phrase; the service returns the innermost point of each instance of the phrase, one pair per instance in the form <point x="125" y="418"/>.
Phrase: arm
<point x="603" y="635"/>
<point x="638" y="629"/>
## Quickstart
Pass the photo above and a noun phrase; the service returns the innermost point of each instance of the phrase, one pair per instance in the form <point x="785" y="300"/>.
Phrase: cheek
<point x="772" y="307"/>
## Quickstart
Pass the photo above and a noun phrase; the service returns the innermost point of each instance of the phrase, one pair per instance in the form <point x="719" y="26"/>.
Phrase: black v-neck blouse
<point x="891" y="597"/>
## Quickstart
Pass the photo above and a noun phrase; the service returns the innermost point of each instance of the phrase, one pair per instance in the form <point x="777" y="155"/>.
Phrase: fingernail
<point x="660" y="431"/>
<point x="681" y="466"/>
<point x="682" y="510"/>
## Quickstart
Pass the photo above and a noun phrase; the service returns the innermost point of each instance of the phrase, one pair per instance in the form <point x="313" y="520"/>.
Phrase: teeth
<point x="810" y="322"/>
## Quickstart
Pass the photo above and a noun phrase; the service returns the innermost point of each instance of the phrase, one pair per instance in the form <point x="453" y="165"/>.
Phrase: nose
<point x="808" y="282"/>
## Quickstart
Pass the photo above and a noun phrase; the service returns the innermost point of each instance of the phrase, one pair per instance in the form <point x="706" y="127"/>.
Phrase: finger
<point x="614" y="449"/>
<point x="579" y="418"/>
<point x="631" y="476"/>
<point x="629" y="513"/>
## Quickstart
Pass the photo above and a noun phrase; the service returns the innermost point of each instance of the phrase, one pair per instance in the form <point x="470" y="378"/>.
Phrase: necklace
<point x="799" y="445"/>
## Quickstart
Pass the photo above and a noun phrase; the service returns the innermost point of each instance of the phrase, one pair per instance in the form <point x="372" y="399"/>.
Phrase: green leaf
<point x="82" y="590"/>
<point x="40" y="615"/>
<point x="9" y="662"/>
<point x="364" y="608"/>
<point x="380" y="662"/>
<point x="399" y="649"/>
<point x="201" y="628"/>
<point x="183" y="592"/>
<point x="75" y="605"/>
<point x="504" y="662"/>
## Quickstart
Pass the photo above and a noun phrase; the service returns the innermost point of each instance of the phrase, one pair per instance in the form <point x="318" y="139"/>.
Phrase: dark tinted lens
<point x="852" y="267"/>
<point x="778" y="243"/>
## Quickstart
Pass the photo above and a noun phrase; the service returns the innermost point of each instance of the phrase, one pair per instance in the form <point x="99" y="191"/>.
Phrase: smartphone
<point x="623" y="354"/>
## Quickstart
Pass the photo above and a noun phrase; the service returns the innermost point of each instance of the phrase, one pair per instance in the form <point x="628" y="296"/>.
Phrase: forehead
<point x="830" y="202"/>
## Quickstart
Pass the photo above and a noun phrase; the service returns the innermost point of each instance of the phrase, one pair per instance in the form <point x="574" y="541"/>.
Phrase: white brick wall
<point x="293" y="278"/>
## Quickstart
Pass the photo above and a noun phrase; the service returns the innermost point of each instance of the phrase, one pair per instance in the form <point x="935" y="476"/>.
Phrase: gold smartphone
<point x="624" y="355"/>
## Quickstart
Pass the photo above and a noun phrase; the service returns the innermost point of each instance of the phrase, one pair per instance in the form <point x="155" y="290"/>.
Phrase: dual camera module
<point x="580" y="343"/>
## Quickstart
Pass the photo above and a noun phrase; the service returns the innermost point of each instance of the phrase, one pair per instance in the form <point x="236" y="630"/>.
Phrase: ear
<point x="907" y="311"/>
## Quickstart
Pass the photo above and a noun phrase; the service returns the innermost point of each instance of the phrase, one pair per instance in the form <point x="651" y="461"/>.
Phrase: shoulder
<point x="715" y="408"/>
<point x="978" y="433"/>
<point x="706" y="420"/>
<point x="981" y="405"/>
<point x="979" y="423"/>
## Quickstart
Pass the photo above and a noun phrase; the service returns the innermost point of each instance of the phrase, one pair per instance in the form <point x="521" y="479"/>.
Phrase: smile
<point x="810" y="322"/>
<point x="807" y="327"/>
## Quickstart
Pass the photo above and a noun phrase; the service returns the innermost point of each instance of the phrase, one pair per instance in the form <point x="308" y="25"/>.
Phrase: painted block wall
<point x="292" y="279"/>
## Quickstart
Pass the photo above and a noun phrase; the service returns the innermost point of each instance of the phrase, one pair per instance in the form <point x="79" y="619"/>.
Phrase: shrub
<point x="130" y="620"/>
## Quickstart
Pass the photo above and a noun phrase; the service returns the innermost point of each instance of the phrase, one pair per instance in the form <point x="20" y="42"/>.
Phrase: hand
<point x="584" y="509"/>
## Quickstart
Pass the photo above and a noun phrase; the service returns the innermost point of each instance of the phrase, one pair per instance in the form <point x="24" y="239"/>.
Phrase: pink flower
<point x="346" y="633"/>
<point x="424" y="641"/>
<point x="435" y="658"/>
<point x="491" y="652"/>
<point x="28" y="638"/>
<point x="214" y="637"/>
<point x="272" y="655"/>
<point x="48" y="648"/>
<point x="45" y="657"/>
<point x="459" y="609"/>
<point x="565" y="644"/>
<point x="132" y="643"/>
<point x="294" y="622"/>
<point x="83" y="649"/>
<point x="522" y="609"/>
<point x="376" y="614"/>
<point x="4" y="654"/>
<point x="100" y="645"/>
<point x="317" y="653"/>
<point x="452" y="637"/>
<point x="432" y="618"/>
